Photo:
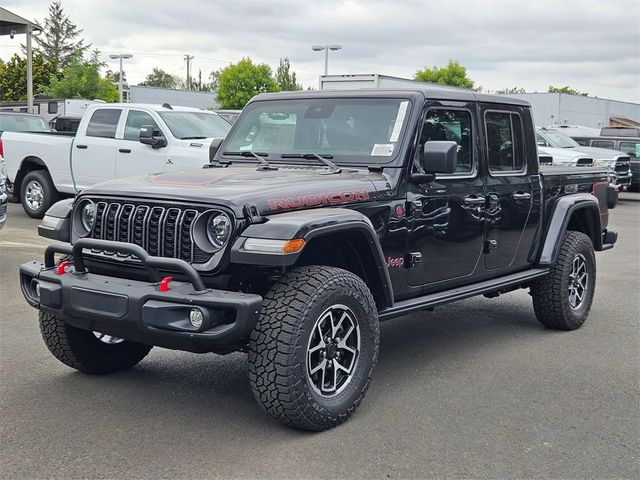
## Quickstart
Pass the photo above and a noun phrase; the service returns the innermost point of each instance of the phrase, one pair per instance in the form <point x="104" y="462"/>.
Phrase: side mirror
<point x="213" y="148"/>
<point x="440" y="157"/>
<point x="541" y="143"/>
<point x="148" y="138"/>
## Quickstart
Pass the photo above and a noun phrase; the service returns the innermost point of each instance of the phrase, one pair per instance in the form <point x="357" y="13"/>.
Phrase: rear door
<point x="133" y="157"/>
<point x="511" y="188"/>
<point x="446" y="216"/>
<point x="94" y="150"/>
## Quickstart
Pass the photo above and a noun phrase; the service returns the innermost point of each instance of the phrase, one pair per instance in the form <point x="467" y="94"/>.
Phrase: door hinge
<point x="413" y="259"/>
<point x="490" y="245"/>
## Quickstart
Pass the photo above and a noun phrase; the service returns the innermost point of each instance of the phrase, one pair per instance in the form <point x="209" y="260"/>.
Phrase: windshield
<point x="362" y="130"/>
<point x="193" y="125"/>
<point x="560" y="140"/>
<point x="22" y="123"/>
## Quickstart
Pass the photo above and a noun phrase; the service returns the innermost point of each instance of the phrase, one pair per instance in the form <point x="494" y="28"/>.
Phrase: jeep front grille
<point x="163" y="231"/>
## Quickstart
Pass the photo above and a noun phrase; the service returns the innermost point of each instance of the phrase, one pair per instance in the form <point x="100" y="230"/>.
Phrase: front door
<point x="133" y="157"/>
<point x="446" y="216"/>
<point x="509" y="189"/>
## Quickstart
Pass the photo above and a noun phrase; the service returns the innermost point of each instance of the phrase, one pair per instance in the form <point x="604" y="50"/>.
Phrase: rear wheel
<point x="89" y="352"/>
<point x="563" y="298"/>
<point x="37" y="193"/>
<point x="313" y="352"/>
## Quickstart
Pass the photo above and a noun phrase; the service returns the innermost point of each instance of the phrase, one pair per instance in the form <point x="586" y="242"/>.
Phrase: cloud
<point x="593" y="46"/>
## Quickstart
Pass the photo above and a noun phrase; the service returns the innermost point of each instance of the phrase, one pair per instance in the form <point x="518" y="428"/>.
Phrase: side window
<point x="602" y="144"/>
<point x="451" y="125"/>
<point x="632" y="148"/>
<point x="504" y="142"/>
<point x="104" y="123"/>
<point x="135" y="120"/>
<point x="541" y="141"/>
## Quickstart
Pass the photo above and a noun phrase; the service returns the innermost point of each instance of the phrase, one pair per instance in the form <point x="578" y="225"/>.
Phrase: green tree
<point x="510" y="90"/>
<point x="161" y="79"/>
<point x="13" y="77"/>
<point x="286" y="79"/>
<point x="81" y="79"/>
<point x="453" y="74"/>
<point x="566" y="89"/>
<point x="241" y="81"/>
<point x="60" y="41"/>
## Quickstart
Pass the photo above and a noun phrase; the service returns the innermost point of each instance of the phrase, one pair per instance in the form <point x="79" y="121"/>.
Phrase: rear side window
<point x="104" y="123"/>
<point x="135" y="120"/>
<point x="632" y="148"/>
<point x="602" y="144"/>
<point x="454" y="126"/>
<point x="504" y="142"/>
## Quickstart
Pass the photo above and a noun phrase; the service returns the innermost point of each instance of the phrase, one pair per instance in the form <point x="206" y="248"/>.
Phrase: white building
<point x="548" y="108"/>
<point x="563" y="109"/>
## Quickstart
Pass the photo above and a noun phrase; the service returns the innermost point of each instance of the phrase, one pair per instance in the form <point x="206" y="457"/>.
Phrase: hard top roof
<point x="428" y="91"/>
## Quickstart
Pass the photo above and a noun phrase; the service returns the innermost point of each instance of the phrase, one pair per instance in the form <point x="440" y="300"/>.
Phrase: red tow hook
<point x="164" y="284"/>
<point x="62" y="266"/>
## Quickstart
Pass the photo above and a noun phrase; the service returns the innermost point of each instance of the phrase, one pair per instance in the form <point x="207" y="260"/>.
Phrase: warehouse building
<point x="548" y="108"/>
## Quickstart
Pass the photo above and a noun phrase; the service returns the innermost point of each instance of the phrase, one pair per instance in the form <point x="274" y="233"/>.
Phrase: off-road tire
<point x="49" y="192"/>
<point x="278" y="346"/>
<point x="81" y="349"/>
<point x="550" y="293"/>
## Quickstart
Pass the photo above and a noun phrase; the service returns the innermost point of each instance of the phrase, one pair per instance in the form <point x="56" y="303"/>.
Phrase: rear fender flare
<point x="562" y="212"/>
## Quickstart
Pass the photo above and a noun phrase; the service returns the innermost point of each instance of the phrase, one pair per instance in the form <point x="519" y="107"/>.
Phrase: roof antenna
<point x="166" y="105"/>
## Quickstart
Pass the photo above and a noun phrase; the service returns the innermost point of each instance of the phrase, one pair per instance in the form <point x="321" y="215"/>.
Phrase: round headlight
<point x="88" y="215"/>
<point x="219" y="229"/>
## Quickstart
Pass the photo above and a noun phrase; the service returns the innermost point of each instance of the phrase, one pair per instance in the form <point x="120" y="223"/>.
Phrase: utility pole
<point x="188" y="58"/>
<point x="120" y="56"/>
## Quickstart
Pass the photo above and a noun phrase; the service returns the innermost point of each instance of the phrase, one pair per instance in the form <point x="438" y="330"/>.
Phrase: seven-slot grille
<point x="163" y="231"/>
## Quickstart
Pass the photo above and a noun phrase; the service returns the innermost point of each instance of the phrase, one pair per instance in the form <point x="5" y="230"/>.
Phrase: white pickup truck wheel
<point x="37" y="193"/>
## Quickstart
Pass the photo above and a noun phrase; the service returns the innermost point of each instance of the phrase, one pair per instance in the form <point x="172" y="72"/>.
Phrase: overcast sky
<point x="593" y="46"/>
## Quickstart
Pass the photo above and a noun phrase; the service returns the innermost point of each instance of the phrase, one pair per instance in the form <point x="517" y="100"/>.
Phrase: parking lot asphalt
<point x="473" y="389"/>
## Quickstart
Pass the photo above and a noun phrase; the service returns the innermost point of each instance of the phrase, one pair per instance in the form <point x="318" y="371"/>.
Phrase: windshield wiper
<point x="197" y="137"/>
<point x="264" y="165"/>
<point x="323" y="158"/>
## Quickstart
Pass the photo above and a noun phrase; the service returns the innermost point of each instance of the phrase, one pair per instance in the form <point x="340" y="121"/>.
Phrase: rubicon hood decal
<point x="317" y="199"/>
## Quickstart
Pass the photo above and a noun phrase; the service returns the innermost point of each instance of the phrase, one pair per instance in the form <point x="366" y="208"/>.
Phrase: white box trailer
<point x="364" y="80"/>
<point x="50" y="108"/>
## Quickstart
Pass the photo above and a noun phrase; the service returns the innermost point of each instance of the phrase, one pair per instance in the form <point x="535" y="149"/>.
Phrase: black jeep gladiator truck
<point x="320" y="215"/>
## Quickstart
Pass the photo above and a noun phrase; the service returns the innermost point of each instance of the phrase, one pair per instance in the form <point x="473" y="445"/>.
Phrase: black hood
<point x="287" y="188"/>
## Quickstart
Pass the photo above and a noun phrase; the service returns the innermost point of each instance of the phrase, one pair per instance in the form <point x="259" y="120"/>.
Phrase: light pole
<point x="120" y="56"/>
<point x="326" y="48"/>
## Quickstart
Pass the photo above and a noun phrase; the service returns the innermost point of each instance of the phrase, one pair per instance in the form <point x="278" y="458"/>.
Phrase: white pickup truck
<point x="110" y="143"/>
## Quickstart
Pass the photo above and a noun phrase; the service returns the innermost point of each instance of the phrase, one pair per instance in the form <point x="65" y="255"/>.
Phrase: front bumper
<point x="136" y="310"/>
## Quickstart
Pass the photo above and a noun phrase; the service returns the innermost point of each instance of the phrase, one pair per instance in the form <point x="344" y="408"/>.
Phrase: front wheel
<point x="89" y="352"/>
<point x="313" y="352"/>
<point x="563" y="298"/>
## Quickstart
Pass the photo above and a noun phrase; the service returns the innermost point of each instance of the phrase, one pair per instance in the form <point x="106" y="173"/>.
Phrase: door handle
<point x="521" y="196"/>
<point x="82" y="147"/>
<point x="124" y="150"/>
<point x="169" y="161"/>
<point x="474" y="200"/>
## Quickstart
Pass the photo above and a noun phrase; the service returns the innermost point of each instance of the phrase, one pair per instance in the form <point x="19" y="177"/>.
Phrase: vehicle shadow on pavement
<point x="194" y="392"/>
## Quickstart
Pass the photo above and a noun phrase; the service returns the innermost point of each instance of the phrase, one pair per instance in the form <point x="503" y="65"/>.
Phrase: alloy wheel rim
<point x="34" y="195"/>
<point x="333" y="351"/>
<point x="108" y="339"/>
<point x="578" y="281"/>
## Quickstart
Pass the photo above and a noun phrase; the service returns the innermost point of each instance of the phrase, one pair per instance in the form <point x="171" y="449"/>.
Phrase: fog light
<point x="196" y="317"/>
<point x="37" y="289"/>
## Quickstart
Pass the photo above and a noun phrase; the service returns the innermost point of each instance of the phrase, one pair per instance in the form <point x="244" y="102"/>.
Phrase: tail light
<point x="1" y="149"/>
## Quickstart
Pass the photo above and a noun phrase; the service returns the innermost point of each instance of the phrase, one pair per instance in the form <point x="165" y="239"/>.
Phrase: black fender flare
<point x="561" y="213"/>
<point x="310" y="224"/>
<point x="56" y="223"/>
